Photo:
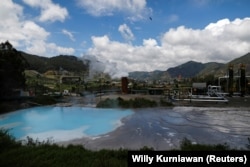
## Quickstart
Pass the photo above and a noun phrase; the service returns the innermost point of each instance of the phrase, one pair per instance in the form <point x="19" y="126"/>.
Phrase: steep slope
<point x="186" y="70"/>
<point x="69" y="63"/>
<point x="211" y="69"/>
<point x="245" y="59"/>
<point x="37" y="63"/>
<point x="65" y="62"/>
<point x="242" y="60"/>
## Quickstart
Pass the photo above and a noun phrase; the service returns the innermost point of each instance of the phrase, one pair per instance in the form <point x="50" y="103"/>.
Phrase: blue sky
<point x="129" y="35"/>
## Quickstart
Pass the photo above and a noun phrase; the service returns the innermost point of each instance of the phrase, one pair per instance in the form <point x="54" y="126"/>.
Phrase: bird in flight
<point x="150" y="18"/>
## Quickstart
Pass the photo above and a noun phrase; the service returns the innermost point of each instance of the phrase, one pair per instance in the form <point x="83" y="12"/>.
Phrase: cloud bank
<point x="221" y="41"/>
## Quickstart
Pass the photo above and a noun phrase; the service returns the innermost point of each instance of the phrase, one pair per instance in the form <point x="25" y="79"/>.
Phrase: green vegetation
<point x="7" y="106"/>
<point x="44" y="100"/>
<point x="61" y="62"/>
<point x="186" y="145"/>
<point x="11" y="70"/>
<point x="121" y="103"/>
<point x="35" y="153"/>
<point x="131" y="103"/>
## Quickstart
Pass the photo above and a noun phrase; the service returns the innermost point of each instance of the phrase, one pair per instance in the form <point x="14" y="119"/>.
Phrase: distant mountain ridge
<point x="186" y="70"/>
<point x="192" y="69"/>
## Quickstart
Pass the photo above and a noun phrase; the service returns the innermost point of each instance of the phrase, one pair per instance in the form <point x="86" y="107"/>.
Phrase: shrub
<point x="7" y="141"/>
<point x="186" y="145"/>
<point x="36" y="153"/>
<point x="121" y="103"/>
<point x="44" y="100"/>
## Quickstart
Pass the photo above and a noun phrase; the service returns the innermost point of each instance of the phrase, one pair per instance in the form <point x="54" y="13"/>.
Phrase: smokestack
<point x="242" y="79"/>
<point x="230" y="79"/>
<point x="124" y="85"/>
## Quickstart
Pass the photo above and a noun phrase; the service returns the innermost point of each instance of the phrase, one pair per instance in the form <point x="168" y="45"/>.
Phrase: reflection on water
<point x="165" y="128"/>
<point x="62" y="123"/>
<point x="160" y="128"/>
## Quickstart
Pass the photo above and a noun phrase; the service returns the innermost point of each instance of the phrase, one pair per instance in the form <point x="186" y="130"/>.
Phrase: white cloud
<point x="49" y="10"/>
<point x="26" y="34"/>
<point x="134" y="9"/>
<point x="40" y="47"/>
<point x="150" y="42"/>
<point x="221" y="41"/>
<point x="32" y="30"/>
<point x="9" y="24"/>
<point x="69" y="34"/>
<point x="126" y="32"/>
<point x="54" y="49"/>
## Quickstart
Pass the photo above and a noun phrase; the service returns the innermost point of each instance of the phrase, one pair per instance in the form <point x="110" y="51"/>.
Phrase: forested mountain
<point x="186" y="70"/>
<point x="62" y="62"/>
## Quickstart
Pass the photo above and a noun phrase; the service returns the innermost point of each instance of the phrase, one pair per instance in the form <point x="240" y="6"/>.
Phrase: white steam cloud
<point x="97" y="67"/>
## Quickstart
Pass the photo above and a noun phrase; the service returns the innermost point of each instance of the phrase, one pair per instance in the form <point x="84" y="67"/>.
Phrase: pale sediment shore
<point x="124" y="137"/>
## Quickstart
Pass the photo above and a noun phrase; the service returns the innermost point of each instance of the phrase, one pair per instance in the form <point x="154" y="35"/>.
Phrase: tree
<point x="12" y="66"/>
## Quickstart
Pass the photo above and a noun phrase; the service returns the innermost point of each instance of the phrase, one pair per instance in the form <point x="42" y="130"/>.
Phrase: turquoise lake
<point x="62" y="123"/>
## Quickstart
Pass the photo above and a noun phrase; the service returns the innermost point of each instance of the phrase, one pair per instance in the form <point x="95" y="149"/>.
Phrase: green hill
<point x="61" y="62"/>
<point x="186" y="70"/>
<point x="243" y="59"/>
<point x="211" y="69"/>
